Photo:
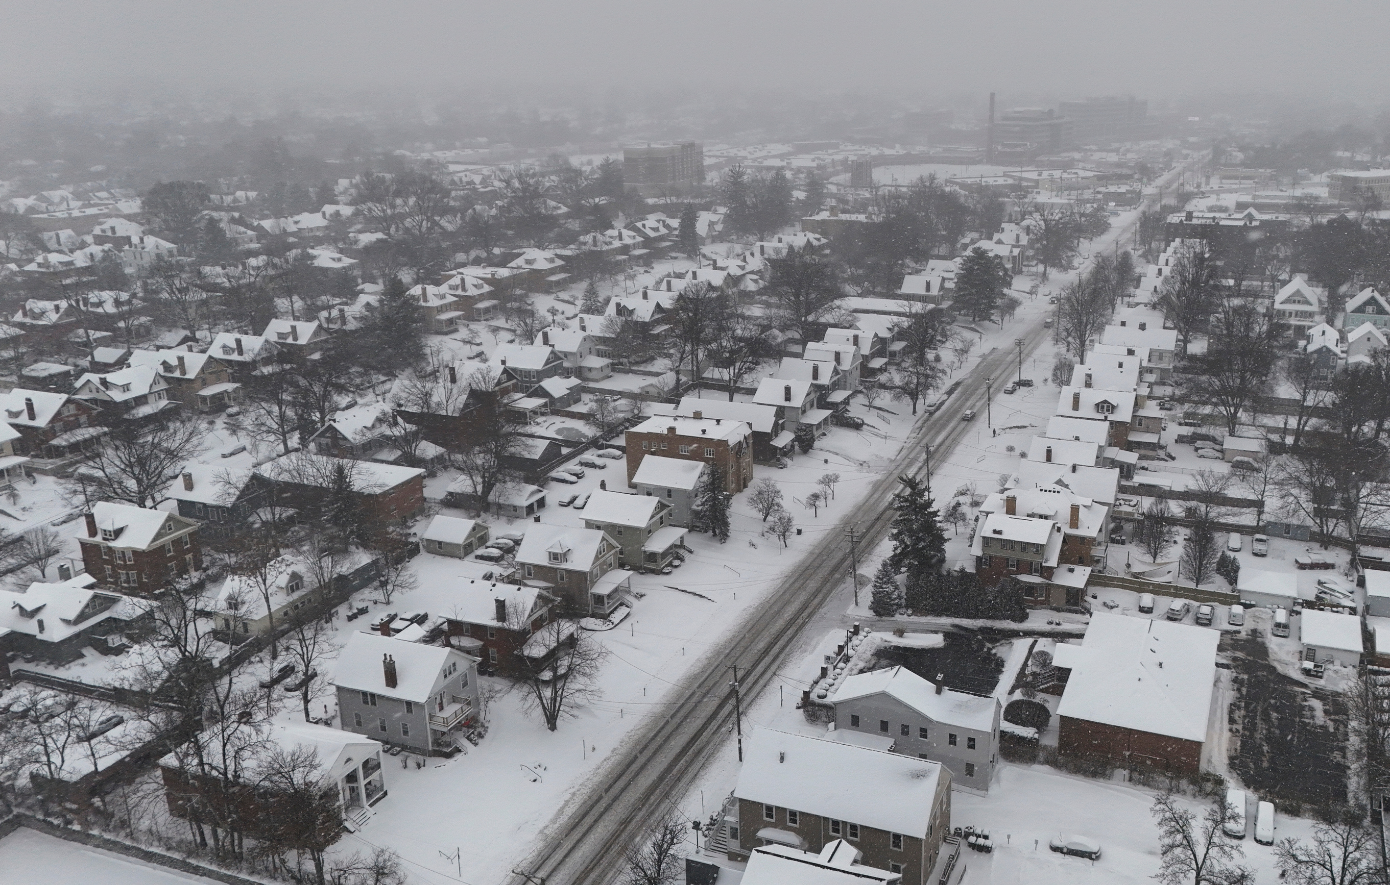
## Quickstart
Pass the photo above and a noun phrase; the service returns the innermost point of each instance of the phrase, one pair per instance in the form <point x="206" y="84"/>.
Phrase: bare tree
<point x="305" y="813"/>
<point x="271" y="413"/>
<point x="782" y="525"/>
<point x="1194" y="850"/>
<point x="37" y="548"/>
<point x="1155" y="529"/>
<point x="765" y="497"/>
<point x="133" y="466"/>
<point x="1236" y="367"/>
<point x="1301" y="375"/>
<point x="815" y="501"/>
<point x="657" y="859"/>
<point x="309" y="646"/>
<point x="1342" y="853"/>
<point x="1082" y="310"/>
<point x="827" y="483"/>
<point x="556" y="684"/>
<point x="260" y="568"/>
<point x="395" y="576"/>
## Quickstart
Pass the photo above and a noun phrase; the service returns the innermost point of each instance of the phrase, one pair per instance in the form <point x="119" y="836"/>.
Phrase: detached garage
<point x="1330" y="637"/>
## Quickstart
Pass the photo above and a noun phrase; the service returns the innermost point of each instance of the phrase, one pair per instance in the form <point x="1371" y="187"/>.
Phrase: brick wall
<point x="153" y="568"/>
<point x="737" y="463"/>
<point x="1080" y="737"/>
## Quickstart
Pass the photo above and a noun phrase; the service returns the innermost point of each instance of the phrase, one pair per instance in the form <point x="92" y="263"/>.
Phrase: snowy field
<point x="28" y="857"/>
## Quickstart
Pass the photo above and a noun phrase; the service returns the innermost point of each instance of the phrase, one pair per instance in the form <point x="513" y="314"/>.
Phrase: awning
<point x="1071" y="576"/>
<point x="613" y="580"/>
<point x="781" y="837"/>
<point x="783" y="439"/>
<point x="73" y="437"/>
<point x="838" y="396"/>
<point x="664" y="539"/>
<point x="149" y="409"/>
<point x="815" y="416"/>
<point x="215" y="389"/>
<point x="877" y="362"/>
<point x="1143" y="437"/>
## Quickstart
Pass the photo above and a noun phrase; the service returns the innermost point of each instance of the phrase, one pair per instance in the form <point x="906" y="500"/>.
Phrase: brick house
<point x="501" y="619"/>
<point x="358" y="432"/>
<point x="1006" y="544"/>
<point x="50" y="425"/>
<point x="771" y="439"/>
<point x="727" y="445"/>
<point x="138" y="550"/>
<point x="215" y="496"/>
<point x="388" y="493"/>
<point x="417" y="696"/>
<point x="1084" y="524"/>
<point x="796" y="401"/>
<point x="579" y="566"/>
<point x="1137" y="690"/>
<point x="190" y="375"/>
<point x="805" y="792"/>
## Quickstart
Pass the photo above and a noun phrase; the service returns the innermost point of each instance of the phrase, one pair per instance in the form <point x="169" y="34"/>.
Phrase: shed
<point x="1377" y="593"/>
<point x="1329" y="637"/>
<point x="1269" y="589"/>
<point x="453" y="536"/>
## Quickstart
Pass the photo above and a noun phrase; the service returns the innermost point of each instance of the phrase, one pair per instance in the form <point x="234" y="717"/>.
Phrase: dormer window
<point x="557" y="557"/>
<point x="108" y="534"/>
<point x="1105" y="407"/>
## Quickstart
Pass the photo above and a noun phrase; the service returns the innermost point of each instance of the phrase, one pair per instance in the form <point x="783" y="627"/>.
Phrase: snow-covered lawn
<point x="28" y="857"/>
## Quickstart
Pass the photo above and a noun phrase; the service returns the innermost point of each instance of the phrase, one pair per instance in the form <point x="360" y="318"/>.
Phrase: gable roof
<point x="46" y="405"/>
<point x="760" y="417"/>
<point x="948" y="706"/>
<point x="253" y="347"/>
<point x="1089" y="402"/>
<point x="121" y="385"/>
<point x="773" y="392"/>
<point x="137" y="526"/>
<point x="166" y="362"/>
<point x="418" y="666"/>
<point x="700" y="428"/>
<point x="1369" y="301"/>
<point x="291" y="332"/>
<point x="887" y="791"/>
<point x="475" y="602"/>
<point x="448" y="529"/>
<point x="1366" y="330"/>
<point x="668" y="473"/>
<point x="212" y="484"/>
<point x="582" y="545"/>
<point x="59" y="606"/>
<point x="835" y="864"/>
<point x="530" y="357"/>
<point x="622" y="509"/>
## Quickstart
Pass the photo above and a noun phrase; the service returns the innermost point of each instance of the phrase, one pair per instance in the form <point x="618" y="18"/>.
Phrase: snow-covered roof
<point x="947" y="706"/>
<point x="1067" y="427"/>
<point x="418" y="666"/>
<point x="1064" y="451"/>
<point x="252" y="347"/>
<point x="579" y="548"/>
<point x="212" y="484"/>
<point x="1097" y="483"/>
<point x="1377" y="583"/>
<point x="814" y="372"/>
<point x="842" y="355"/>
<point x="1152" y="337"/>
<point x="709" y="428"/>
<point x="16" y="411"/>
<point x="1096" y="403"/>
<point x="1266" y="583"/>
<point x="563" y="340"/>
<point x="1297" y="294"/>
<point x="532" y="357"/>
<point x="55" y="612"/>
<point x="835" y="864"/>
<point x="1148" y="675"/>
<point x="243" y="593"/>
<point x="1368" y="301"/>
<point x="136" y="527"/>
<point x="330" y="744"/>
<point x="1026" y="529"/>
<point x="448" y="529"/>
<point x="475" y="602"/>
<point x="1366" y="329"/>
<point x="361" y="423"/>
<point x="886" y="791"/>
<point x="167" y="362"/>
<point x="618" y="508"/>
<point x="556" y="386"/>
<point x="782" y="392"/>
<point x="1331" y="630"/>
<point x="290" y="331"/>
<point x="316" y="470"/>
<point x="670" y="473"/>
<point x="762" y="418"/>
<point x="1049" y="502"/>
<point x="121" y="385"/>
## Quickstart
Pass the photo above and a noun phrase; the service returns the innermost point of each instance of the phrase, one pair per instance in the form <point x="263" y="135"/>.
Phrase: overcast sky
<point x="1157" y="48"/>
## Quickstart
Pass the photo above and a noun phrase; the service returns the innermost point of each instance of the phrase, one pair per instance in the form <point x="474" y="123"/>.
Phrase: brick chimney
<point x="787" y="392"/>
<point x="342" y="317"/>
<point x="294" y="332"/>
<point x="671" y="431"/>
<point x="453" y="375"/>
<point x="940" y="682"/>
<point x="1075" y="521"/>
<point x="698" y="415"/>
<point x="545" y="337"/>
<point x="188" y="482"/>
<point x="183" y="367"/>
<point x="501" y="612"/>
<point x="1011" y="505"/>
<point x="1048" y="455"/>
<point x="29" y="408"/>
<point x="385" y="628"/>
<point x="91" y="524"/>
<point x="1088" y="379"/>
<point x="815" y="371"/>
<point x="388" y="667"/>
<point x="1076" y="401"/>
<point x="240" y="351"/>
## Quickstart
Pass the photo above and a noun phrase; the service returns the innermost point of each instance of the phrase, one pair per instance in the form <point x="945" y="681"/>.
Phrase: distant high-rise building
<point x="1109" y="117"/>
<point x="861" y="172"/>
<point x="670" y="166"/>
<point x="1043" y="129"/>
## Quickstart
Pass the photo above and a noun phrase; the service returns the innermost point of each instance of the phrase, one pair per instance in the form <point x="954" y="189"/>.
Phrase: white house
<point x="1329" y="637"/>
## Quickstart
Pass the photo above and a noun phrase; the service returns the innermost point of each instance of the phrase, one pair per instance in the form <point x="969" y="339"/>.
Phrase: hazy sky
<point x="1156" y="48"/>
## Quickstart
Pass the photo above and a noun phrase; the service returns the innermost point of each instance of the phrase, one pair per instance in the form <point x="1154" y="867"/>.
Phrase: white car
<point x="563" y="478"/>
<point x="582" y="502"/>
<point x="569" y="499"/>
<point x="1077" y="846"/>
<point x="1259" y="545"/>
<point x="610" y="454"/>
<point x="1235" y="542"/>
<point x="592" y="463"/>
<point x="506" y="545"/>
<point x="576" y="472"/>
<point x="1209" y="454"/>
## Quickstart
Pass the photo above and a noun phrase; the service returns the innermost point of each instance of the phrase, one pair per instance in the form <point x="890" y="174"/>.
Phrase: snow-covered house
<point x="641" y="524"/>
<point x="197" y="380"/>
<point x="673" y="480"/>
<point x="454" y="536"/>
<point x="1298" y="306"/>
<point x="131" y="394"/>
<point x="846" y="357"/>
<point x="301" y="339"/>
<point x="807" y="792"/>
<point x="244" y="354"/>
<point x="771" y="440"/>
<point x="958" y="729"/>
<point x="838" y="863"/>
<point x="1137" y="690"/>
<point x="577" y="349"/>
<point x="138" y="549"/>
<point x="53" y="621"/>
<point x="1368" y="306"/>
<point x="796" y="401"/>
<point x="1363" y="342"/>
<point x="499" y="623"/>
<point x="527" y="364"/>
<point x="578" y="565"/>
<point x="1331" y="637"/>
<point x="359" y="432"/>
<point x="1323" y="345"/>
<point x="50" y="425"/>
<point x="1113" y="407"/>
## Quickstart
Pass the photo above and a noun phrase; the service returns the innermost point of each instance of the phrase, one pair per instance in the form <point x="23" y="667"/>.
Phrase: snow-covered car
<point x="281" y="673"/>
<point x="565" y="478"/>
<point x="1259" y="545"/>
<point x="1012" y="388"/>
<point x="298" y="684"/>
<point x="490" y="554"/>
<point x="582" y="502"/>
<point x="506" y="545"/>
<point x="611" y="454"/>
<point x="592" y="463"/>
<point x="567" y="500"/>
<point x="576" y="472"/>
<point x="105" y="725"/>
<point x="1209" y="454"/>
<point x="967" y="415"/>
<point x="1077" y="846"/>
<point x="1025" y="382"/>
<point x="1047" y="323"/>
<point x="1205" y="613"/>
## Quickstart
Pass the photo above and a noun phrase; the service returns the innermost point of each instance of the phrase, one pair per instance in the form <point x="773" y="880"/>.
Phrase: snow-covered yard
<point x="28" y="857"/>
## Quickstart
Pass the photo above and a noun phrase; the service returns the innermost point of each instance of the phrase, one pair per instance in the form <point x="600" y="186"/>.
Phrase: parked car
<point x="569" y="499"/>
<point x="1178" y="609"/>
<point x="505" y="544"/>
<point x="1025" y="382"/>
<point x="576" y="472"/>
<point x="1312" y="669"/>
<point x="298" y="684"/>
<point x="967" y="415"/>
<point x="1235" y="542"/>
<point x="1260" y="545"/>
<point x="1234" y="824"/>
<point x="490" y="554"/>
<point x="1236" y="618"/>
<point x="1264" y="823"/>
<point x="102" y="727"/>
<point x="582" y="502"/>
<point x="1012" y="388"/>
<point x="593" y="463"/>
<point x="1205" y="613"/>
<point x="853" y="422"/>
<point x="1209" y="454"/>
<point x="1165" y="405"/>
<point x="1077" y="846"/>
<point x="280" y="675"/>
<point x="610" y="454"/>
<point x="1146" y="603"/>
<point x="565" y="478"/>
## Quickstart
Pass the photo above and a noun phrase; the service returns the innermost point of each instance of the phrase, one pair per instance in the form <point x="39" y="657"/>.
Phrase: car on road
<point x="1259" y="545"/>
<point x="592" y="463"/>
<point x="565" y="478"/>
<point x="610" y="454"/>
<point x="1012" y="388"/>
<point x="967" y="415"/>
<point x="567" y="500"/>
<point x="1047" y="323"/>
<point x="1205" y="613"/>
<point x="1076" y="846"/>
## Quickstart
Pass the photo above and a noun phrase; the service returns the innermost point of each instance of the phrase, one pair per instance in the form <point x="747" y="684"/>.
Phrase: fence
<point x="1158" y="588"/>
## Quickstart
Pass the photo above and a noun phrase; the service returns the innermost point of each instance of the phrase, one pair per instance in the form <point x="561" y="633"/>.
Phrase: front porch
<point x="662" y="548"/>
<point x="609" y="592"/>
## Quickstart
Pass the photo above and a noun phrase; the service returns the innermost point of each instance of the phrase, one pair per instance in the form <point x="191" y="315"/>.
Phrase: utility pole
<point x="854" y="562"/>
<point x="1019" y="342"/>
<point x="928" y="466"/>
<point x="989" y="384"/>
<point x="738" y="712"/>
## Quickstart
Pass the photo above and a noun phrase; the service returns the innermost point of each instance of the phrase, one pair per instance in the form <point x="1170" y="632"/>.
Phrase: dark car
<point x="106" y="725"/>
<point x="1025" y="382"/>
<point x="281" y="673"/>
<point x="298" y="684"/>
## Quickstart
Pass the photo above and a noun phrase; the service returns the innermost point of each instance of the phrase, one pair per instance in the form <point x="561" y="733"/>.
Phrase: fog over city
<point x="617" y="443"/>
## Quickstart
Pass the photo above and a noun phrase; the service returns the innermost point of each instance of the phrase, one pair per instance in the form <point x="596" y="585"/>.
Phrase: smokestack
<point x="29" y="408"/>
<point x="698" y="415"/>
<point x="388" y="667"/>
<point x="183" y="367"/>
<point x="815" y="371"/>
<point x="989" y="132"/>
<point x="1088" y="379"/>
<point x="453" y="374"/>
<point x="545" y="337"/>
<point x="1011" y="505"/>
<point x="1076" y="401"/>
<point x="188" y="482"/>
<point x="1075" y="516"/>
<point x="91" y="524"/>
<point x="1048" y="456"/>
<point x="385" y="628"/>
<point x="940" y="682"/>
<point x="501" y="612"/>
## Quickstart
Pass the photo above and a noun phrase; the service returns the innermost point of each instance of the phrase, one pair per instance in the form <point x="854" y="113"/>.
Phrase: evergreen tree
<point x="396" y="328"/>
<point x="815" y="194"/>
<point x="919" y="544"/>
<point x="886" y="597"/>
<point x="713" y="504"/>
<point x="982" y="281"/>
<point x="688" y="234"/>
<point x="734" y="191"/>
<point x="592" y="302"/>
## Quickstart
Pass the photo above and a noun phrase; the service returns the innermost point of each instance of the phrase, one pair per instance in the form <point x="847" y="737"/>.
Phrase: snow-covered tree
<point x="886" y="597"/>
<point x="712" y="504"/>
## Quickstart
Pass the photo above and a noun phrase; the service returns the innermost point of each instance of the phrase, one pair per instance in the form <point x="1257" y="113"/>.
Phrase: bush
<point x="1028" y="713"/>
<point x="1228" y="567"/>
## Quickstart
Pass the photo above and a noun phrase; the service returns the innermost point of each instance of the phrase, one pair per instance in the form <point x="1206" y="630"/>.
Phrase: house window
<point x="904" y="731"/>
<point x="951" y="739"/>
<point x="530" y="572"/>
<point x="491" y="632"/>
<point x="357" y="720"/>
<point x="883" y="725"/>
<point x="769" y="812"/>
<point x="108" y="534"/>
<point x="685" y="450"/>
<point x="405" y="729"/>
<point x="1013" y="564"/>
<point x="381" y="723"/>
<point x="709" y="453"/>
<point x="854" y="720"/>
<point x="854" y="831"/>
<point x="492" y="655"/>
<point x="895" y="868"/>
<point x="969" y="743"/>
<point x="560" y="577"/>
<point x="409" y="707"/>
<point x="644" y="446"/>
<point x="970" y="769"/>
<point x="556" y="557"/>
<point x="368" y="699"/>
<point x="895" y="841"/>
<point x="169" y="549"/>
<point x="836" y="828"/>
<point x="793" y="818"/>
<point x="922" y="732"/>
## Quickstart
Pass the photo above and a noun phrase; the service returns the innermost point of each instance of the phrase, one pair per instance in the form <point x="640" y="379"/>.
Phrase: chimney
<point x="239" y="350"/>
<point x="581" y="325"/>
<point x="1088" y="379"/>
<point x="188" y="482"/>
<point x="385" y="628"/>
<point x="294" y="332"/>
<point x="1076" y="401"/>
<point x="545" y="337"/>
<point x="1188" y="215"/>
<point x="342" y="317"/>
<point x="787" y="392"/>
<point x="603" y="485"/>
<point x="671" y="431"/>
<point x="183" y="366"/>
<point x="29" y="408"/>
<point x="1048" y="455"/>
<point x="453" y="374"/>
<point x="91" y="524"/>
<point x="1011" y="505"/>
<point x="1075" y="516"/>
<point x="388" y="666"/>
<point x="1073" y="468"/>
<point x="940" y="682"/>
<point x="698" y="415"/>
<point x="1143" y="326"/>
<point x="40" y="625"/>
<point x="501" y="613"/>
<point x="815" y="371"/>
<point x="504" y="362"/>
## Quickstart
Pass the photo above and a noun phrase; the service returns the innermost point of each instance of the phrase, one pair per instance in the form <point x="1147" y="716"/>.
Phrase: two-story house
<point x="215" y="496"/>
<point x="296" y="339"/>
<point x="846" y="357"/>
<point x="454" y="536"/>
<point x="578" y="349"/>
<point x="442" y="309"/>
<point x="823" y="375"/>
<point x="1298" y="306"/>
<point x="1114" y="407"/>
<point x="245" y="355"/>
<point x="771" y="439"/>
<point x="388" y="493"/>
<point x="131" y="394"/>
<point x="359" y="432"/>
<point x="579" y="566"/>
<point x="197" y="380"/>
<point x="1010" y="545"/>
<point x="647" y="538"/>
<point x="141" y="551"/>
<point x="501" y="620"/>
<point x="798" y="402"/>
<point x="417" y="696"/>
<point x="526" y="364"/>
<point x="673" y="480"/>
<point x="53" y="622"/>
<point x="1363" y="342"/>
<point x="806" y="792"/>
<point x="1367" y="306"/>
<point x="50" y="425"/>
<point x="958" y="729"/>
<point x="726" y="446"/>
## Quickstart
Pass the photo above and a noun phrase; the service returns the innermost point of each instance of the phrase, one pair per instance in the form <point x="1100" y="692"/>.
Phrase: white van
<point x="1234" y="825"/>
<point x="1146" y="603"/>
<point x="1235" y="542"/>
<point x="1264" y="823"/>
<point x="1178" y="609"/>
<point x="1237" y="616"/>
<point x="1281" y="622"/>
